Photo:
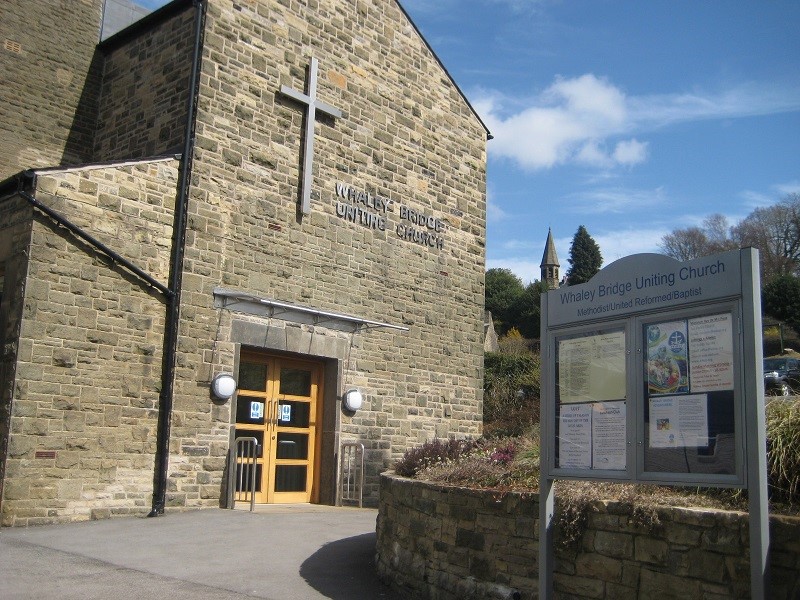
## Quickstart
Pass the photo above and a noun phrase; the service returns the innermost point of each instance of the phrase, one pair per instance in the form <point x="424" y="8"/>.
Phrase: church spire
<point x="550" y="264"/>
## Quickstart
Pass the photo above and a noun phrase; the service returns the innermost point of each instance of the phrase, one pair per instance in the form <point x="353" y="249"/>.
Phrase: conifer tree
<point x="584" y="258"/>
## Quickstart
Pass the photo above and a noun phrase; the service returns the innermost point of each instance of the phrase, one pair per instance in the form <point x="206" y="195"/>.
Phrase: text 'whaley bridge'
<point x="372" y="211"/>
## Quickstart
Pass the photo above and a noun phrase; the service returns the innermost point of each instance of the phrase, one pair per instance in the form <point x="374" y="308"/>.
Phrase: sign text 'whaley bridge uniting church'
<point x="372" y="211"/>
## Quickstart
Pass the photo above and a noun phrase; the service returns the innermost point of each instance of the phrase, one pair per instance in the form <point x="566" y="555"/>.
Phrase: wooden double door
<point x="278" y="404"/>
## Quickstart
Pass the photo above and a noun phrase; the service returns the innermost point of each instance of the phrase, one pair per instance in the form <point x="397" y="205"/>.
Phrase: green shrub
<point x="783" y="451"/>
<point x="511" y="392"/>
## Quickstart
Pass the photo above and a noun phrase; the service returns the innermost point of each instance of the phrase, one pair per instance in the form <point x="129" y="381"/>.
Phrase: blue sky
<point x="631" y="118"/>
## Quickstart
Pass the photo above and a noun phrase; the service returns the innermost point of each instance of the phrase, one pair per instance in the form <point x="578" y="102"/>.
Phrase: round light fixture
<point x="353" y="400"/>
<point x="223" y="385"/>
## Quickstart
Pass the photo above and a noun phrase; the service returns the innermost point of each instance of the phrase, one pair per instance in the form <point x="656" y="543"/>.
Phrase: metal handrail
<point x="244" y="466"/>
<point x="351" y="473"/>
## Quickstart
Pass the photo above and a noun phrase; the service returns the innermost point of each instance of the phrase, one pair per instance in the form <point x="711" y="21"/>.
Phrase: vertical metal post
<point x="546" y="525"/>
<point x="755" y="425"/>
<point x="546" y="487"/>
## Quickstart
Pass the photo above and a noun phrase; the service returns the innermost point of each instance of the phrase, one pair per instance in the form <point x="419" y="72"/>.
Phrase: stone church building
<point x="233" y="218"/>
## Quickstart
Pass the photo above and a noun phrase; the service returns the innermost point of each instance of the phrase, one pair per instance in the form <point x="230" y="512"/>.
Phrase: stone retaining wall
<point x="454" y="543"/>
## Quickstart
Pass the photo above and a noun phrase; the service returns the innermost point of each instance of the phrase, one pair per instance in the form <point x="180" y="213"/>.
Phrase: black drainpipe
<point x="175" y="276"/>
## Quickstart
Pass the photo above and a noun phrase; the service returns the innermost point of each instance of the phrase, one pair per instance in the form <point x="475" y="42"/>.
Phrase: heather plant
<point x="504" y="463"/>
<point x="431" y="453"/>
<point x="474" y="472"/>
<point x="504" y="454"/>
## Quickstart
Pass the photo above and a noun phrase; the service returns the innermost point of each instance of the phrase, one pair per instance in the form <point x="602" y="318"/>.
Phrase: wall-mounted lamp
<point x="353" y="400"/>
<point x="223" y="385"/>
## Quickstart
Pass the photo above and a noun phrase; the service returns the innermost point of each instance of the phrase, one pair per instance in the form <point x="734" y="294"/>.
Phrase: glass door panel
<point x="290" y="478"/>
<point x="293" y="445"/>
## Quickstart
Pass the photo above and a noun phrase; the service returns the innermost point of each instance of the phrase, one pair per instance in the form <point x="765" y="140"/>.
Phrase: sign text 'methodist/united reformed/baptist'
<point x="372" y="211"/>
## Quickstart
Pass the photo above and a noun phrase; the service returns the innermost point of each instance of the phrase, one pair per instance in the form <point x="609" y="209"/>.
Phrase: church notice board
<point x="645" y="373"/>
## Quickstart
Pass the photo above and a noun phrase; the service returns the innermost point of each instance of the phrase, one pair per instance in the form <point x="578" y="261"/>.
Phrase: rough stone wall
<point x="15" y="235"/>
<point x="406" y="135"/>
<point x="452" y="543"/>
<point x="88" y="370"/>
<point x="49" y="82"/>
<point x="142" y="105"/>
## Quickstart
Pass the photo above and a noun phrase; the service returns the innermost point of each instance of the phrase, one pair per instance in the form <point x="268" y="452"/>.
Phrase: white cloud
<point x="618" y="244"/>
<point x="777" y="192"/>
<point x="587" y="120"/>
<point x="494" y="213"/>
<point x="566" y="123"/>
<point x="630" y="152"/>
<point x="790" y="187"/>
<point x="744" y="100"/>
<point x="753" y="200"/>
<point x="616" y="200"/>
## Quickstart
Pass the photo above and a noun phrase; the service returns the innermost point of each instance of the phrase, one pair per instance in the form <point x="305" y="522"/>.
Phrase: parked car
<point x="781" y="376"/>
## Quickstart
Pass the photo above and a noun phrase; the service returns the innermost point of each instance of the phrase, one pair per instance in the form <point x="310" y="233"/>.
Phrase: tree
<point x="775" y="231"/>
<point x="780" y="299"/>
<point x="584" y="258"/>
<point x="503" y="289"/>
<point x="718" y="232"/>
<point x="685" y="244"/>
<point x="526" y="310"/>
<point x="694" y="242"/>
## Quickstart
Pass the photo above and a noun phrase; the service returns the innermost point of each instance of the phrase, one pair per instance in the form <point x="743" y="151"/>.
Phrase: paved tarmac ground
<point x="289" y="552"/>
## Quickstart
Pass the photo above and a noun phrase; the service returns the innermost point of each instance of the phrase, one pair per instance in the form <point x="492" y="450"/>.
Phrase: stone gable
<point x="89" y="349"/>
<point x="402" y="119"/>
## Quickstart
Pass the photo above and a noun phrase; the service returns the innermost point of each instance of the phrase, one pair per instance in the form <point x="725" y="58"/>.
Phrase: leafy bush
<point x="511" y="392"/>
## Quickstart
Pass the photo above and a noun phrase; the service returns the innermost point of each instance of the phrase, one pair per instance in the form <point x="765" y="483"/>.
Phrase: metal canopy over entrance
<point x="255" y="305"/>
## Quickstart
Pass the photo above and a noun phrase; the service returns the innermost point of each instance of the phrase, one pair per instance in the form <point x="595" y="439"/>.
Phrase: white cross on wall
<point x="312" y="105"/>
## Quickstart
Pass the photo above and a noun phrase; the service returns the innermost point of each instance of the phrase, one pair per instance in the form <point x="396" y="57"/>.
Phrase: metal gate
<point x="351" y="473"/>
<point x="243" y="469"/>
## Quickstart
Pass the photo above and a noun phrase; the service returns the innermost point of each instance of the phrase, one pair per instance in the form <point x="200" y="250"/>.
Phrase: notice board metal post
<point x="755" y="430"/>
<point x="667" y="356"/>
<point x="546" y="489"/>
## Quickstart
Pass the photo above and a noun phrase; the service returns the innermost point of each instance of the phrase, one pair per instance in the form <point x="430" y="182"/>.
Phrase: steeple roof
<point x="549" y="258"/>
